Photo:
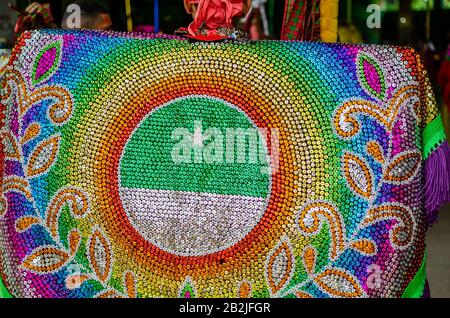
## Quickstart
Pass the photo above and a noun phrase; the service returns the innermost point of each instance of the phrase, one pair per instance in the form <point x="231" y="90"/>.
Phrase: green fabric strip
<point x="417" y="285"/>
<point x="3" y="291"/>
<point x="433" y="136"/>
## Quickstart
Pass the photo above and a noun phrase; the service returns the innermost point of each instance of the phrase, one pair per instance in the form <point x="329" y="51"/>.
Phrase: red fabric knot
<point x="214" y="14"/>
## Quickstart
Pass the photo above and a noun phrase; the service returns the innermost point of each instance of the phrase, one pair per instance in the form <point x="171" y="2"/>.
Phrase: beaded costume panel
<point x="103" y="195"/>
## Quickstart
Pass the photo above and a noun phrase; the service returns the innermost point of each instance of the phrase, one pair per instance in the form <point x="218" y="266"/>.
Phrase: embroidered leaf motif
<point x="16" y="184"/>
<point x="403" y="167"/>
<point x="365" y="247"/>
<point x="62" y="102"/>
<point x="403" y="230"/>
<point x="314" y="214"/>
<point x="358" y="174"/>
<point x="10" y="150"/>
<point x="302" y="294"/>
<point x="46" y="63"/>
<point x="129" y="283"/>
<point x="74" y="240"/>
<point x="31" y="132"/>
<point x="188" y="290"/>
<point x="338" y="283"/>
<point x="245" y="290"/>
<point x="375" y="151"/>
<point x="108" y="294"/>
<point x="371" y="76"/>
<point x="280" y="266"/>
<point x="26" y="222"/>
<point x="3" y="206"/>
<point x="309" y="259"/>
<point x="45" y="259"/>
<point x="61" y="110"/>
<point x="100" y="255"/>
<point x="13" y="184"/>
<point x="347" y="117"/>
<point x="78" y="204"/>
<point x="43" y="157"/>
<point x="75" y="281"/>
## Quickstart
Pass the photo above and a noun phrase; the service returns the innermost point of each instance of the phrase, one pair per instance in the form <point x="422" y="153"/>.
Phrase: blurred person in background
<point x="256" y="23"/>
<point x="38" y="16"/>
<point x="93" y="16"/>
<point x="215" y="19"/>
<point x="443" y="78"/>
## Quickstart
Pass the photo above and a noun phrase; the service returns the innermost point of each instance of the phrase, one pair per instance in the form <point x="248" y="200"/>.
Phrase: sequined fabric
<point x="120" y="180"/>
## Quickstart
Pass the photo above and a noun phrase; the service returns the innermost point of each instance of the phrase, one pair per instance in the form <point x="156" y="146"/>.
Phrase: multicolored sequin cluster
<point x="93" y="204"/>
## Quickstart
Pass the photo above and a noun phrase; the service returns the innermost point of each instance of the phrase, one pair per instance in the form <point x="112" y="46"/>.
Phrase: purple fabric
<point x="437" y="181"/>
<point x="426" y="290"/>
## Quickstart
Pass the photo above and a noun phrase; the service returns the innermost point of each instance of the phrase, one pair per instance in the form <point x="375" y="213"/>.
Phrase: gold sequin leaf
<point x="129" y="282"/>
<point x="31" y="132"/>
<point x="358" y="174"/>
<point x="375" y="151"/>
<point x="26" y="222"/>
<point x="10" y="149"/>
<point x="100" y="255"/>
<point x="339" y="283"/>
<point x="280" y="266"/>
<point x="74" y="240"/>
<point x="404" y="167"/>
<point x="43" y="156"/>
<point x="365" y="247"/>
<point x="245" y="290"/>
<point x="309" y="259"/>
<point x="45" y="259"/>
